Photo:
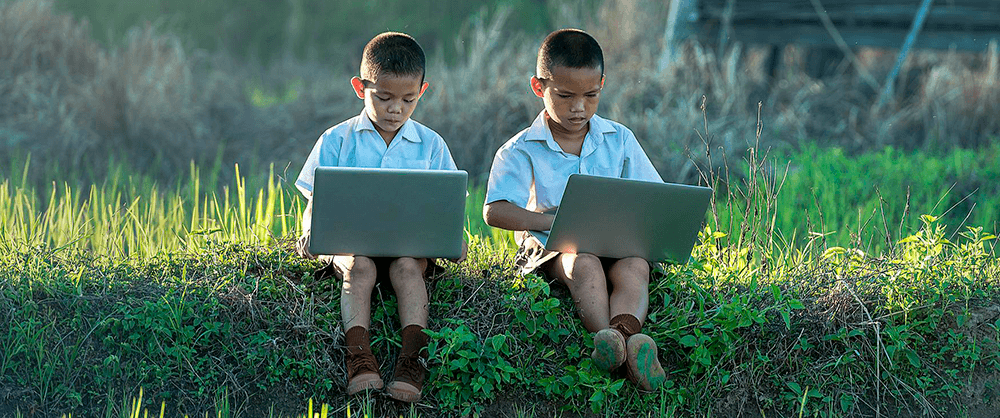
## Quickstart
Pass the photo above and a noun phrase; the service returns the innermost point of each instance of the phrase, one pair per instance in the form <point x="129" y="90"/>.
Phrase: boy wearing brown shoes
<point x="382" y="136"/>
<point x="526" y="183"/>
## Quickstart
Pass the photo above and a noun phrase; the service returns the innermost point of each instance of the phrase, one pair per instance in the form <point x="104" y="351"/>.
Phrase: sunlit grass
<point x="128" y="217"/>
<point x="128" y="281"/>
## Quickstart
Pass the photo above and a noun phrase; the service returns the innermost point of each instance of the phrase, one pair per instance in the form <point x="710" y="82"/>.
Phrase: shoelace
<point x="362" y="362"/>
<point x="411" y="368"/>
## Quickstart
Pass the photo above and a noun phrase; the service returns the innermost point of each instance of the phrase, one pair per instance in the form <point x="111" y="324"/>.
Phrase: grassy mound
<point x="255" y="328"/>
<point x="197" y="298"/>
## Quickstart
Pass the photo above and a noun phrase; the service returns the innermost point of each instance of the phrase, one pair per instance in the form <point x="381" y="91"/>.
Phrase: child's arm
<point x="505" y="215"/>
<point x="637" y="163"/>
<point x="508" y="190"/>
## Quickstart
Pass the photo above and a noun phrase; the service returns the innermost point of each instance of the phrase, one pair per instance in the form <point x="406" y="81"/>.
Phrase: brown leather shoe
<point x="362" y="368"/>
<point x="643" y="366"/>
<point x="609" y="349"/>
<point x="411" y="367"/>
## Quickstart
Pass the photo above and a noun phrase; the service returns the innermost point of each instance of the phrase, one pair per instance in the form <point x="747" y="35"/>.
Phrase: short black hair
<point x="571" y="48"/>
<point x="392" y="53"/>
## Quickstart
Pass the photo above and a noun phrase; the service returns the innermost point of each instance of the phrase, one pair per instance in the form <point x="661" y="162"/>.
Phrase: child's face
<point x="571" y="96"/>
<point x="390" y="100"/>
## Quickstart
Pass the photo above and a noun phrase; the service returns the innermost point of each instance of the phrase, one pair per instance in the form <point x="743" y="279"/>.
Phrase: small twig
<point x="941" y="199"/>
<point x="966" y="197"/>
<point x="885" y="224"/>
<point x="472" y="295"/>
<point x="906" y="211"/>
<point x="879" y="349"/>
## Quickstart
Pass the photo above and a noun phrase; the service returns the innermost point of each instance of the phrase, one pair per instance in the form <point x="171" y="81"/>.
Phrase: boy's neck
<point x="571" y="142"/>
<point x="386" y="135"/>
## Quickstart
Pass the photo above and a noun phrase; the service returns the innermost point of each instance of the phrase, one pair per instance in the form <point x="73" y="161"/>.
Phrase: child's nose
<point x="395" y="107"/>
<point x="576" y="105"/>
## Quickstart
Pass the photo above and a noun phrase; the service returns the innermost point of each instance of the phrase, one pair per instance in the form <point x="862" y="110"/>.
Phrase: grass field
<point x="848" y="266"/>
<point x="195" y="296"/>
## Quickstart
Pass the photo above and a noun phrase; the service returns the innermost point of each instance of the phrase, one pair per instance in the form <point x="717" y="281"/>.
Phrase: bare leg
<point x="629" y="279"/>
<point x="407" y="276"/>
<point x="584" y="276"/>
<point x="358" y="274"/>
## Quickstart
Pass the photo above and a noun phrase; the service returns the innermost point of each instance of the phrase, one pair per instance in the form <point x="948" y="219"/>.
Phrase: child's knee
<point x="582" y="270"/>
<point x="632" y="269"/>
<point x="357" y="269"/>
<point x="406" y="267"/>
<point x="587" y="263"/>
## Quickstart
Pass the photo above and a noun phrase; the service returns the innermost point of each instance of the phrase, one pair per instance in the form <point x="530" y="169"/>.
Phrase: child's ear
<point x="359" y="87"/>
<point x="602" y="81"/>
<point x="538" y="88"/>
<point x="423" y="88"/>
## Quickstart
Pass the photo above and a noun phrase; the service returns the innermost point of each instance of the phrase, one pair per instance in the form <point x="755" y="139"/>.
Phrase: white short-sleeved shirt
<point x="356" y="143"/>
<point x="531" y="169"/>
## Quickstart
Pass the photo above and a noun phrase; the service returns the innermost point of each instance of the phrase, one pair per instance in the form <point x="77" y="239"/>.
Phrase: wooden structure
<point x="961" y="24"/>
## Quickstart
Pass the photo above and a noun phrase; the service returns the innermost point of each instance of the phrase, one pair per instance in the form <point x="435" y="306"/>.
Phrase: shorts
<point x="532" y="257"/>
<point x="381" y="264"/>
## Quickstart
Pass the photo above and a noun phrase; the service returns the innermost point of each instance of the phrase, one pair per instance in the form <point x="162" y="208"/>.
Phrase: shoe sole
<point x="609" y="349"/>
<point x="403" y="392"/>
<point x="365" y="381"/>
<point x="643" y="364"/>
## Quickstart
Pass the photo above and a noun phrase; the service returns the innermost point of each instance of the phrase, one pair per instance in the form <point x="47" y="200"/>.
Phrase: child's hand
<point x="460" y="259"/>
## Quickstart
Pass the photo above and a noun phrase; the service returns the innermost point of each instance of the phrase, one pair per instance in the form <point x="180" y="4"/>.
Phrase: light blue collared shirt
<point x="356" y="143"/>
<point x="531" y="169"/>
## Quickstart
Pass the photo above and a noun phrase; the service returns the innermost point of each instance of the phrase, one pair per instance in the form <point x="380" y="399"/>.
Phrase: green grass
<point x="870" y="200"/>
<point x="130" y="216"/>
<point x="195" y="295"/>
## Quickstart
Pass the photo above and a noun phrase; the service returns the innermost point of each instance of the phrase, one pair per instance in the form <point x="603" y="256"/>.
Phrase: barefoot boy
<point x="391" y="83"/>
<point x="526" y="183"/>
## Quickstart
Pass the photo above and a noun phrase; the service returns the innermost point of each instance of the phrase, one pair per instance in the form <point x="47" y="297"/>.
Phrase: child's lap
<point x="532" y="257"/>
<point x="382" y="265"/>
<point x="339" y="264"/>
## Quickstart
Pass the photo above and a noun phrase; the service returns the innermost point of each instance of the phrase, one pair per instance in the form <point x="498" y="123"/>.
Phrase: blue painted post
<point x="680" y="25"/>
<point x="918" y="24"/>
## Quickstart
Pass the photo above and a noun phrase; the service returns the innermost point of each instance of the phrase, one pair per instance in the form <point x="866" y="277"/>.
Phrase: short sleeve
<point x="325" y="153"/>
<point x="637" y="163"/>
<point x="510" y="176"/>
<point x="441" y="158"/>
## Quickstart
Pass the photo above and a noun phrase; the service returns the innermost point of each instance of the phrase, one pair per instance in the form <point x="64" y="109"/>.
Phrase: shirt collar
<point x="539" y="131"/>
<point x="408" y="131"/>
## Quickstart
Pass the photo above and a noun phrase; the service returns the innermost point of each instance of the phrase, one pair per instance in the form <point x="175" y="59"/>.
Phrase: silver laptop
<point x="388" y="212"/>
<point x="618" y="218"/>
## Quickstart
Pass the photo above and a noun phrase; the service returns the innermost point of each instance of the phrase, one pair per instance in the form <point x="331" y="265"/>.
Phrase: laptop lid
<point x="618" y="218"/>
<point x="388" y="212"/>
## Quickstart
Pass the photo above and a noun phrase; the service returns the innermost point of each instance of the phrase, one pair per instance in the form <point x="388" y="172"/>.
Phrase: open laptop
<point x="618" y="218"/>
<point x="388" y="212"/>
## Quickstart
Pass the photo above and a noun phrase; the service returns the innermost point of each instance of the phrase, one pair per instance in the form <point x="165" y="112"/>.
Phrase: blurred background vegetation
<point x="91" y="86"/>
<point x="330" y="31"/>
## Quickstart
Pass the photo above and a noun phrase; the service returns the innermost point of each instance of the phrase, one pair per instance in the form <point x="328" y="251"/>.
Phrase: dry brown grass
<point x="72" y="103"/>
<point x="157" y="105"/>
